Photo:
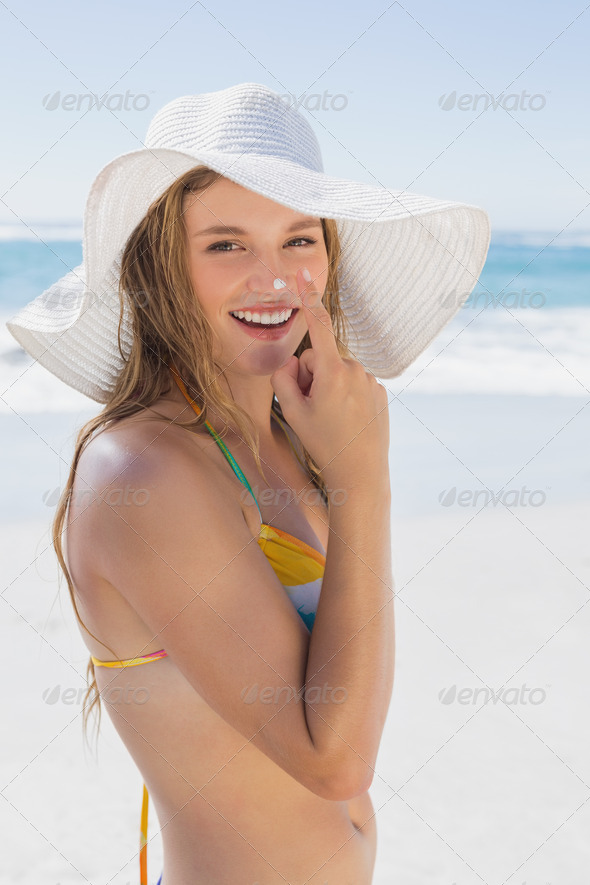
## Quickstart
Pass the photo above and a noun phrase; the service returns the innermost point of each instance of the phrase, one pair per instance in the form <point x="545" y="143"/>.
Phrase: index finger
<point x="319" y="322"/>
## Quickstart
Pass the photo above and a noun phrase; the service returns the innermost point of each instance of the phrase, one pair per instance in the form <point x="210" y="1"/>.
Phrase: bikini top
<point x="298" y="566"/>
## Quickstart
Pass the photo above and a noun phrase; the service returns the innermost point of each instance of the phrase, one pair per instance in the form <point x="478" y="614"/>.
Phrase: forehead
<point x="226" y="202"/>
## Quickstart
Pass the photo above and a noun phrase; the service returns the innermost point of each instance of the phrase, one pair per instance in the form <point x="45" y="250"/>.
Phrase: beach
<point x="483" y="770"/>
<point x="416" y="112"/>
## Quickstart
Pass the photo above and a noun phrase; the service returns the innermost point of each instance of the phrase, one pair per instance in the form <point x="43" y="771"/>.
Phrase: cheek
<point x="319" y="269"/>
<point x="206" y="285"/>
<point x="319" y="274"/>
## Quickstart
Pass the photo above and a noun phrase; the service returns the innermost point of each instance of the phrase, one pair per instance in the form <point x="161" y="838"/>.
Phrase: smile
<point x="267" y="325"/>
<point x="266" y="318"/>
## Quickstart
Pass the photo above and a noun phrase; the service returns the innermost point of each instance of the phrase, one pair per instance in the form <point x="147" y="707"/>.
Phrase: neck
<point x="253" y="394"/>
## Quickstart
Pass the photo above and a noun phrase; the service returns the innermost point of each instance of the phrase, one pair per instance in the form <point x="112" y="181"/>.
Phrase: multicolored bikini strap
<point x="235" y="466"/>
<point x="132" y="662"/>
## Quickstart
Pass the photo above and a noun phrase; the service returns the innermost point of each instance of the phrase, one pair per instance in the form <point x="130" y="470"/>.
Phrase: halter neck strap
<point x="235" y="466"/>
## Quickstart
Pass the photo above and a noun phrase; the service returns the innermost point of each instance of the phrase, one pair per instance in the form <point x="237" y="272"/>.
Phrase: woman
<point x="240" y="466"/>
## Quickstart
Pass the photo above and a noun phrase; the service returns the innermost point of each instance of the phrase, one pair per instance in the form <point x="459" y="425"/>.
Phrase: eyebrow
<point x="236" y="230"/>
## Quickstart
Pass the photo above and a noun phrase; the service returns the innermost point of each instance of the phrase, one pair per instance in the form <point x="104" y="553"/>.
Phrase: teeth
<point x="268" y="319"/>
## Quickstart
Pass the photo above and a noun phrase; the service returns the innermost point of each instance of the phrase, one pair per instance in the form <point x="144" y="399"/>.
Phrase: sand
<point x="483" y="774"/>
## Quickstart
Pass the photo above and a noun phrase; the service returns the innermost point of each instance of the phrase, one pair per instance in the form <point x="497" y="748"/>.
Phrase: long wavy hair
<point x="156" y="293"/>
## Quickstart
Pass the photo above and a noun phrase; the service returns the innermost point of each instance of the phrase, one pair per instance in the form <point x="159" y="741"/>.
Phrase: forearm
<point x="349" y="676"/>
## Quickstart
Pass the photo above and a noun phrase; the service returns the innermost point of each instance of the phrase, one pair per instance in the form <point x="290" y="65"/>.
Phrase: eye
<point x="215" y="246"/>
<point x="309" y="240"/>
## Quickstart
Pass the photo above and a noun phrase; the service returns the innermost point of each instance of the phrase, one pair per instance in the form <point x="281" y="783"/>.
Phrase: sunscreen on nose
<point x="278" y="284"/>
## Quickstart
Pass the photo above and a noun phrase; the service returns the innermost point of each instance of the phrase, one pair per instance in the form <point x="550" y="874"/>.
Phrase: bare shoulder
<point x="123" y="464"/>
<point x="137" y="443"/>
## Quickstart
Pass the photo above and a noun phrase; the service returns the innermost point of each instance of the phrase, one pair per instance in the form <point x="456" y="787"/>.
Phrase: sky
<point x="395" y="92"/>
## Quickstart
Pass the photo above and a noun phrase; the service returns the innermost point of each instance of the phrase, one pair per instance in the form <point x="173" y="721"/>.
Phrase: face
<point x="234" y="267"/>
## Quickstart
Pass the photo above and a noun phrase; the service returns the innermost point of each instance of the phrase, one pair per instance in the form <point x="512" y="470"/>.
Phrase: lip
<point x="268" y="333"/>
<point x="265" y="307"/>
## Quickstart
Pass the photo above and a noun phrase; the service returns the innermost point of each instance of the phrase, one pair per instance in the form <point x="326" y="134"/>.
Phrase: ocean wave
<point x="48" y="231"/>
<point x="536" y="353"/>
<point x="565" y="239"/>
<point x="44" y="232"/>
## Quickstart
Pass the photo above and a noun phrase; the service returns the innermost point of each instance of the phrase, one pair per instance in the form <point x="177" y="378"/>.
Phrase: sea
<point x="525" y="329"/>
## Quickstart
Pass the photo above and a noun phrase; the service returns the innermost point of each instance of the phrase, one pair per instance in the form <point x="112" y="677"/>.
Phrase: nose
<point x="268" y="285"/>
<point x="267" y="278"/>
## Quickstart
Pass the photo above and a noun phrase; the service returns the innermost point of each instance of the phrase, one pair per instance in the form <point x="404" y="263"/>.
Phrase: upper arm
<point x="186" y="561"/>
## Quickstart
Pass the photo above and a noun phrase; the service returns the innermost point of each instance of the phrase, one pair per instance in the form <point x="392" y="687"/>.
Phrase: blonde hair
<point x="169" y="324"/>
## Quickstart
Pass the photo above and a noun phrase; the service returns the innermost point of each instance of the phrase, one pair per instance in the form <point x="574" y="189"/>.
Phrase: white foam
<point x="41" y="231"/>
<point x="72" y="230"/>
<point x="565" y="239"/>
<point x="494" y="351"/>
<point x="531" y="352"/>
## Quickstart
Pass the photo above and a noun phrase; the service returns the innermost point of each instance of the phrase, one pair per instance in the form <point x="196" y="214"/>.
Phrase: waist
<point x="264" y="843"/>
<point x="211" y="789"/>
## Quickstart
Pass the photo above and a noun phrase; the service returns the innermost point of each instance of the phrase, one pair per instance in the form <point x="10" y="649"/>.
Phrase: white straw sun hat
<point x="408" y="264"/>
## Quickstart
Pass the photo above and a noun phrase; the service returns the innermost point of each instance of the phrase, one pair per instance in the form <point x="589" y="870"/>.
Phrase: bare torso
<point x="227" y="812"/>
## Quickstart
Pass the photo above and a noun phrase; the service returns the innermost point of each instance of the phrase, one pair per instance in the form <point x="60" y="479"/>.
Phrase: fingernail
<point x="306" y="275"/>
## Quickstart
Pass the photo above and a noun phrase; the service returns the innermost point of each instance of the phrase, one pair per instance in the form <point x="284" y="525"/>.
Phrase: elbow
<point x="341" y="783"/>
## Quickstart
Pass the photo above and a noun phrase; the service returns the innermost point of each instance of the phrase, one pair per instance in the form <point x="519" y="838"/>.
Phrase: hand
<point x="338" y="410"/>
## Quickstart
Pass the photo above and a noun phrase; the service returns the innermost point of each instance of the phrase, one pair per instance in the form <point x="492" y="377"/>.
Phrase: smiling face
<point x="234" y="267"/>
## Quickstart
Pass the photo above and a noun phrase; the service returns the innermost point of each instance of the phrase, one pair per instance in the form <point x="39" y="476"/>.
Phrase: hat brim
<point x="409" y="262"/>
